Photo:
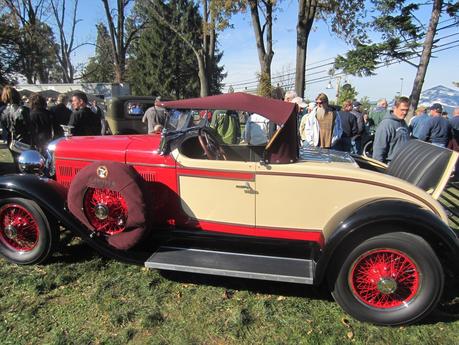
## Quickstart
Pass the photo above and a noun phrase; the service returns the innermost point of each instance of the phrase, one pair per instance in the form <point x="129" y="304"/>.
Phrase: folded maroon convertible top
<point x="277" y="111"/>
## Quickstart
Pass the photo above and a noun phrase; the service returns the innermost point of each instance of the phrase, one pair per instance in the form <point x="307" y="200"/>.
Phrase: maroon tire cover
<point x="120" y="178"/>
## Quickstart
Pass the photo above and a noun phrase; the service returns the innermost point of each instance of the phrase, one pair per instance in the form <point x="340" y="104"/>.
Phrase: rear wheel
<point x="26" y="236"/>
<point x="390" y="279"/>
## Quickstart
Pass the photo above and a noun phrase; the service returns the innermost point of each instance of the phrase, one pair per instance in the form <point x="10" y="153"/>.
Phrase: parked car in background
<point x="124" y="114"/>
<point x="182" y="200"/>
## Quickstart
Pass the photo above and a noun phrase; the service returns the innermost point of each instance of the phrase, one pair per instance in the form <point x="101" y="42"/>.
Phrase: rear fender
<point x="51" y="197"/>
<point x="383" y="216"/>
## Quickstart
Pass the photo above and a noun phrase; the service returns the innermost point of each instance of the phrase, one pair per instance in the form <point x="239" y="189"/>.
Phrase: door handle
<point x="244" y="186"/>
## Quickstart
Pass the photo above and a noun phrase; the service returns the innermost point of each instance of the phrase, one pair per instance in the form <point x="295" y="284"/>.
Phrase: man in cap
<point x="437" y="129"/>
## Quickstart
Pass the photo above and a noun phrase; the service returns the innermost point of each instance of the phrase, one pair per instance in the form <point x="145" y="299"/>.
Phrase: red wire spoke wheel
<point x="106" y="210"/>
<point x="27" y="235"/>
<point x="384" y="278"/>
<point x="19" y="230"/>
<point x="390" y="279"/>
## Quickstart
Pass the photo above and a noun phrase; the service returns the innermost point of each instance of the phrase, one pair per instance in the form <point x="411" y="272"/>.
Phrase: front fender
<point x="52" y="198"/>
<point x="366" y="222"/>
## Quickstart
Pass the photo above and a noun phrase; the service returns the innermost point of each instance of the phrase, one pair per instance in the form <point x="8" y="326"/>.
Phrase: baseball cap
<point x="437" y="107"/>
<point x="356" y="104"/>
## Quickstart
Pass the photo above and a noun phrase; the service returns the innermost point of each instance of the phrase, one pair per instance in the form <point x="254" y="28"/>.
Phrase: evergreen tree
<point x="160" y="63"/>
<point x="100" y="67"/>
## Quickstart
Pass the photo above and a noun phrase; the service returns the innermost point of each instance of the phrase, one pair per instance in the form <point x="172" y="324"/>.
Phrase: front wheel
<point x="26" y="236"/>
<point x="390" y="279"/>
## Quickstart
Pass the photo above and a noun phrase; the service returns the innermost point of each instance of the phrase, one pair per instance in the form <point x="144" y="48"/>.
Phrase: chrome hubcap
<point x="10" y="232"/>
<point x="101" y="211"/>
<point x="387" y="285"/>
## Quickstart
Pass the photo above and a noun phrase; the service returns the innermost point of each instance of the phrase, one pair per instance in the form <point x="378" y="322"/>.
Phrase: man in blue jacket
<point x="392" y="132"/>
<point x="437" y="129"/>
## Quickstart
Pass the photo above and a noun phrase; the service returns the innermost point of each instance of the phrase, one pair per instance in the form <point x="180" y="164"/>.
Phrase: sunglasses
<point x="319" y="102"/>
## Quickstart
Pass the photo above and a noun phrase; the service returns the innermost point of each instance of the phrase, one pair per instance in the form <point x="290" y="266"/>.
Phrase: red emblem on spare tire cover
<point x="123" y="222"/>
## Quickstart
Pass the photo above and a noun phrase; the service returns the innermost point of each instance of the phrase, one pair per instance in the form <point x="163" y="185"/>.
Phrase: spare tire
<point x="107" y="198"/>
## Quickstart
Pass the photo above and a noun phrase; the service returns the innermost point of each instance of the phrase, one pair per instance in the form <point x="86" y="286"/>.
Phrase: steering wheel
<point x="210" y="145"/>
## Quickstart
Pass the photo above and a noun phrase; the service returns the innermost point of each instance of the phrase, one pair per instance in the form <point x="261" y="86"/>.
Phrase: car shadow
<point x="251" y="285"/>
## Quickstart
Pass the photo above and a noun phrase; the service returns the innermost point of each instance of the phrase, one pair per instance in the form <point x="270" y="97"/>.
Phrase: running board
<point x="232" y="264"/>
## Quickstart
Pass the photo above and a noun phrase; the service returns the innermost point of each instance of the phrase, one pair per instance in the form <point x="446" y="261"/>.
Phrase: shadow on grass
<point x="251" y="285"/>
<point x="75" y="253"/>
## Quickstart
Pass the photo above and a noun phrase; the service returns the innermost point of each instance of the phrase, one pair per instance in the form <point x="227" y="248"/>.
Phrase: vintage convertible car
<point x="183" y="201"/>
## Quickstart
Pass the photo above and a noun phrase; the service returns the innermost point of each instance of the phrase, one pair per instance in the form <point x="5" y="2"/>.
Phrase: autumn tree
<point x="403" y="39"/>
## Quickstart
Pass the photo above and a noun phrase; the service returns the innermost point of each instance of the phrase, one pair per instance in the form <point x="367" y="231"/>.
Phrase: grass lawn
<point x="81" y="298"/>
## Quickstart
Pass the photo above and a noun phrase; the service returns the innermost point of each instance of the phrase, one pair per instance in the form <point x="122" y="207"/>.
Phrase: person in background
<point x="61" y="115"/>
<point x="418" y="121"/>
<point x="290" y="95"/>
<point x="83" y="120"/>
<point x="17" y="118"/>
<point x="454" y="122"/>
<point x="154" y="115"/>
<point x="437" y="129"/>
<point x="349" y="125"/>
<point x="226" y="123"/>
<point x="98" y="111"/>
<point x="392" y="132"/>
<point x="356" y="142"/>
<point x="3" y="121"/>
<point x="379" y="112"/>
<point x="256" y="130"/>
<point x="41" y="122"/>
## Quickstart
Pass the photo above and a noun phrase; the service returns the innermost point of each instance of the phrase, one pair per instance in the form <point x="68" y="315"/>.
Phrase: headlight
<point x="50" y="150"/>
<point x="31" y="162"/>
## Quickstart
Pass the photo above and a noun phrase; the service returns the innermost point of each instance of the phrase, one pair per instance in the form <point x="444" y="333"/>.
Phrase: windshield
<point x="180" y="119"/>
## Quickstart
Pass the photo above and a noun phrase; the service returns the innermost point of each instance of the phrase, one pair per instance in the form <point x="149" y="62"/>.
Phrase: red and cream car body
<point x="182" y="200"/>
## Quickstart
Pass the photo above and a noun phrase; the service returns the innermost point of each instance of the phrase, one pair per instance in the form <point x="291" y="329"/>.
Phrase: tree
<point x="161" y="63"/>
<point x="66" y="44"/>
<point x="121" y="35"/>
<point x="346" y="92"/>
<point x="264" y="40"/>
<point x="35" y="42"/>
<point x="344" y="17"/>
<point x="401" y="40"/>
<point x="215" y="18"/>
<point x="100" y="68"/>
<point x="8" y="52"/>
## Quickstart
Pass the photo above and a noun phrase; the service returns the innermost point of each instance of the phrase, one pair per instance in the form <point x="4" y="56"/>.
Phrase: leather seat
<point x="420" y="163"/>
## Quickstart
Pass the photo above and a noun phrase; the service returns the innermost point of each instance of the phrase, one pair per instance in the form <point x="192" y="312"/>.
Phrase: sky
<point x="240" y="58"/>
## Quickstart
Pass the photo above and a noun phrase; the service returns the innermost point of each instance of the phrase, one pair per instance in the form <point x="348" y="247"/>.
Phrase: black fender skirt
<point x="51" y="196"/>
<point x="367" y="220"/>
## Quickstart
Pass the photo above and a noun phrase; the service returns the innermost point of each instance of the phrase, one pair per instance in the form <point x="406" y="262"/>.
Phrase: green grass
<point x="81" y="298"/>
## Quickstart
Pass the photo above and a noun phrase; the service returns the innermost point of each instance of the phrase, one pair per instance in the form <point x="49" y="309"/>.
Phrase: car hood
<point x="112" y="147"/>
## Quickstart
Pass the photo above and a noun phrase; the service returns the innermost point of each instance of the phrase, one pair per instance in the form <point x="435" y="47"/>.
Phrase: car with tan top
<point x="182" y="200"/>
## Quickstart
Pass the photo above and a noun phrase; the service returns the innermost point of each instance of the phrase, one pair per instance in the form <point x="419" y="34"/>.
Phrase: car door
<point x="217" y="192"/>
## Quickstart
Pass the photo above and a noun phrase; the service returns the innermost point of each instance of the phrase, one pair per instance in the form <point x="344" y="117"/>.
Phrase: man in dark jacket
<point x="437" y="129"/>
<point x="392" y="133"/>
<point x="83" y="120"/>
<point x="357" y="139"/>
<point x="61" y="115"/>
<point x="349" y="125"/>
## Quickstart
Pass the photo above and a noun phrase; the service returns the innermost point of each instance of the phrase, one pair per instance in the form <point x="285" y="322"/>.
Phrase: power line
<point x="247" y="83"/>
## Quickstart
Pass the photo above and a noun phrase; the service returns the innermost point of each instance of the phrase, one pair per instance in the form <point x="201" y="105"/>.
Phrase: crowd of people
<point x="322" y="125"/>
<point x="34" y="122"/>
